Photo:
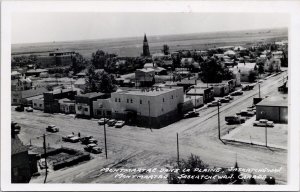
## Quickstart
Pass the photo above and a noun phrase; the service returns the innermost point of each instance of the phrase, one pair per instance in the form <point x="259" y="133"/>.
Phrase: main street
<point x="141" y="147"/>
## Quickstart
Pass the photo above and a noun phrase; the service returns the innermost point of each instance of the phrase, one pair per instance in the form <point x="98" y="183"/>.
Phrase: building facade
<point x="51" y="98"/>
<point x="152" y="107"/>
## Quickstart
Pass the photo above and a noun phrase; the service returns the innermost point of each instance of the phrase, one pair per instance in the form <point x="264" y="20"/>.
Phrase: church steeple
<point x="146" y="51"/>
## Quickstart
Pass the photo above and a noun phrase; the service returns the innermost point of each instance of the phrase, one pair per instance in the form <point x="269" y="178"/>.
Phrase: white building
<point x="38" y="103"/>
<point x="273" y="64"/>
<point x="155" y="107"/>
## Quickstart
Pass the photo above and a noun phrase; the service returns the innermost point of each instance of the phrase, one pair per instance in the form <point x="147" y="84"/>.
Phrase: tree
<point x="192" y="163"/>
<point x="98" y="59"/>
<point x="166" y="49"/>
<point x="211" y="71"/>
<point x="99" y="81"/>
<point x="252" y="76"/>
<point x="78" y="63"/>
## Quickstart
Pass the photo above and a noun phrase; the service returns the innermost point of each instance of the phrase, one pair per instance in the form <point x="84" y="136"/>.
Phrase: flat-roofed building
<point x="273" y="109"/>
<point x="151" y="107"/>
<point x="51" y="99"/>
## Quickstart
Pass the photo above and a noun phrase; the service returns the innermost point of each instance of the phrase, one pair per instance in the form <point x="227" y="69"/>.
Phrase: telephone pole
<point x="219" y="129"/>
<point x="105" y="136"/>
<point x="259" y="90"/>
<point x="177" y="150"/>
<point x="149" y="116"/>
<point x="45" y="156"/>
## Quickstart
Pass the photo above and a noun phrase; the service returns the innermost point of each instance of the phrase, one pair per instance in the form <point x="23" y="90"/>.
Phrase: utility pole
<point x="266" y="134"/>
<point x="219" y="129"/>
<point x="149" y="116"/>
<point x="45" y="156"/>
<point x="177" y="151"/>
<point x="105" y="136"/>
<point x="195" y="94"/>
<point x="259" y="90"/>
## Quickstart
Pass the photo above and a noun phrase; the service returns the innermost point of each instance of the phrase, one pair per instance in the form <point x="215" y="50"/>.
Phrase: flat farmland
<point x="132" y="46"/>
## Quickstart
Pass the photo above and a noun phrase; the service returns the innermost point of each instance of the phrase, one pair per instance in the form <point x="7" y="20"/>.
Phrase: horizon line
<point x="115" y="38"/>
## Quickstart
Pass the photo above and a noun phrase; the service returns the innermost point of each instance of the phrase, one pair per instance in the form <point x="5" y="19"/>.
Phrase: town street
<point x="141" y="147"/>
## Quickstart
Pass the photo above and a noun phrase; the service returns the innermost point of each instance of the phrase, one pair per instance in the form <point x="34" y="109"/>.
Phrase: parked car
<point x="229" y="97"/>
<point x="260" y="81"/>
<point x="224" y="100"/>
<point x="96" y="150"/>
<point x="236" y="93"/>
<point x="52" y="128"/>
<point x="71" y="138"/>
<point x="191" y="114"/>
<point x="88" y="140"/>
<point x="245" y="113"/>
<point x="214" y="103"/>
<point x="29" y="109"/>
<point x="119" y="124"/>
<point x="19" y="108"/>
<point x="235" y="119"/>
<point x="263" y="123"/>
<point x="111" y="122"/>
<point x="102" y="121"/>
<point x="89" y="147"/>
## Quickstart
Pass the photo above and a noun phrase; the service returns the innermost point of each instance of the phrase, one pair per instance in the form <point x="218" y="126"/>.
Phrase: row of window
<point x="141" y="101"/>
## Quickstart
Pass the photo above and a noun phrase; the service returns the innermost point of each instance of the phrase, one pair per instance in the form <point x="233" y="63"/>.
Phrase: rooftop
<point x="37" y="70"/>
<point x="58" y="91"/>
<point x="275" y="101"/>
<point x="91" y="95"/>
<point x="148" y="92"/>
<point x="33" y="92"/>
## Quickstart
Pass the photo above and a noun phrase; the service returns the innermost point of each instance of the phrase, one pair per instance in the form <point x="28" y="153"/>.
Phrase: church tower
<point x="146" y="51"/>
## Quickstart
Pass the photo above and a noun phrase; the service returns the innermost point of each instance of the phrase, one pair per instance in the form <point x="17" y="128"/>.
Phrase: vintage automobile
<point x="191" y="114"/>
<point x="263" y="123"/>
<point x="93" y="148"/>
<point x="102" y="121"/>
<point x="119" y="124"/>
<point x="52" y="128"/>
<point x="214" y="103"/>
<point x="88" y="140"/>
<point x="235" y="119"/>
<point x="111" y="122"/>
<point x="71" y="138"/>
<point x="29" y="109"/>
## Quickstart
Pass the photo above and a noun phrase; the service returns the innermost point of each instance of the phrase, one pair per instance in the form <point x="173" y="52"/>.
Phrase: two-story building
<point x="51" y="99"/>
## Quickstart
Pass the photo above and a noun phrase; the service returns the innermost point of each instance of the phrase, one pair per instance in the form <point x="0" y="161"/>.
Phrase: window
<point x="108" y="113"/>
<point x="127" y="100"/>
<point x="79" y="107"/>
<point x="15" y="100"/>
<point x="131" y="101"/>
<point x="116" y="100"/>
<point x="40" y="105"/>
<point x="86" y="109"/>
<point x="172" y="97"/>
<point x="141" y="102"/>
<point x="34" y="104"/>
<point x="163" y="99"/>
<point x="119" y="100"/>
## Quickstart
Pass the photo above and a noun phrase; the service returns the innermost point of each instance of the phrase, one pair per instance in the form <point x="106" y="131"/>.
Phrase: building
<point x="80" y="83"/>
<point x="51" y="99"/>
<point x="84" y="103"/>
<point x="145" y="77"/>
<point x="151" y="107"/>
<point x="20" y="164"/>
<point x="197" y="101"/>
<point x="21" y="84"/>
<point x="220" y="90"/>
<point x="35" y="72"/>
<point x="273" y="64"/>
<point x="206" y="92"/>
<point x="146" y="51"/>
<point x="38" y="103"/>
<point x="26" y="97"/>
<point x="248" y="71"/>
<point x="56" y="59"/>
<point x="273" y="109"/>
<point x="67" y="106"/>
<point x="15" y="75"/>
<point x="157" y="70"/>
<point x="102" y="108"/>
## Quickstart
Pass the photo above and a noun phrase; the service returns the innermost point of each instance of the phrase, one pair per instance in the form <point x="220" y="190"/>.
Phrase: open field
<point x="132" y="46"/>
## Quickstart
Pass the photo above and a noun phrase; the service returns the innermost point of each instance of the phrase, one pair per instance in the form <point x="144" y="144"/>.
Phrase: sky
<point x="49" y="27"/>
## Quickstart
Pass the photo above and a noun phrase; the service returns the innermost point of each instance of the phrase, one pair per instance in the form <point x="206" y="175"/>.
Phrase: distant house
<point x="157" y="70"/>
<point x="15" y="75"/>
<point x="206" y="92"/>
<point x="273" y="109"/>
<point x="35" y="72"/>
<point x="84" y="103"/>
<point x="273" y="64"/>
<point x="51" y="99"/>
<point x="220" y="90"/>
<point x="196" y="100"/>
<point x="21" y="84"/>
<point x="145" y="77"/>
<point x="38" y="103"/>
<point x="26" y="97"/>
<point x="67" y="106"/>
<point x="80" y="83"/>
<point x="246" y="70"/>
<point x="230" y="53"/>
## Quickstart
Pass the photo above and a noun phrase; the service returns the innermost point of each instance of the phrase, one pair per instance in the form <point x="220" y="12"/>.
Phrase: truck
<point x="235" y="119"/>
